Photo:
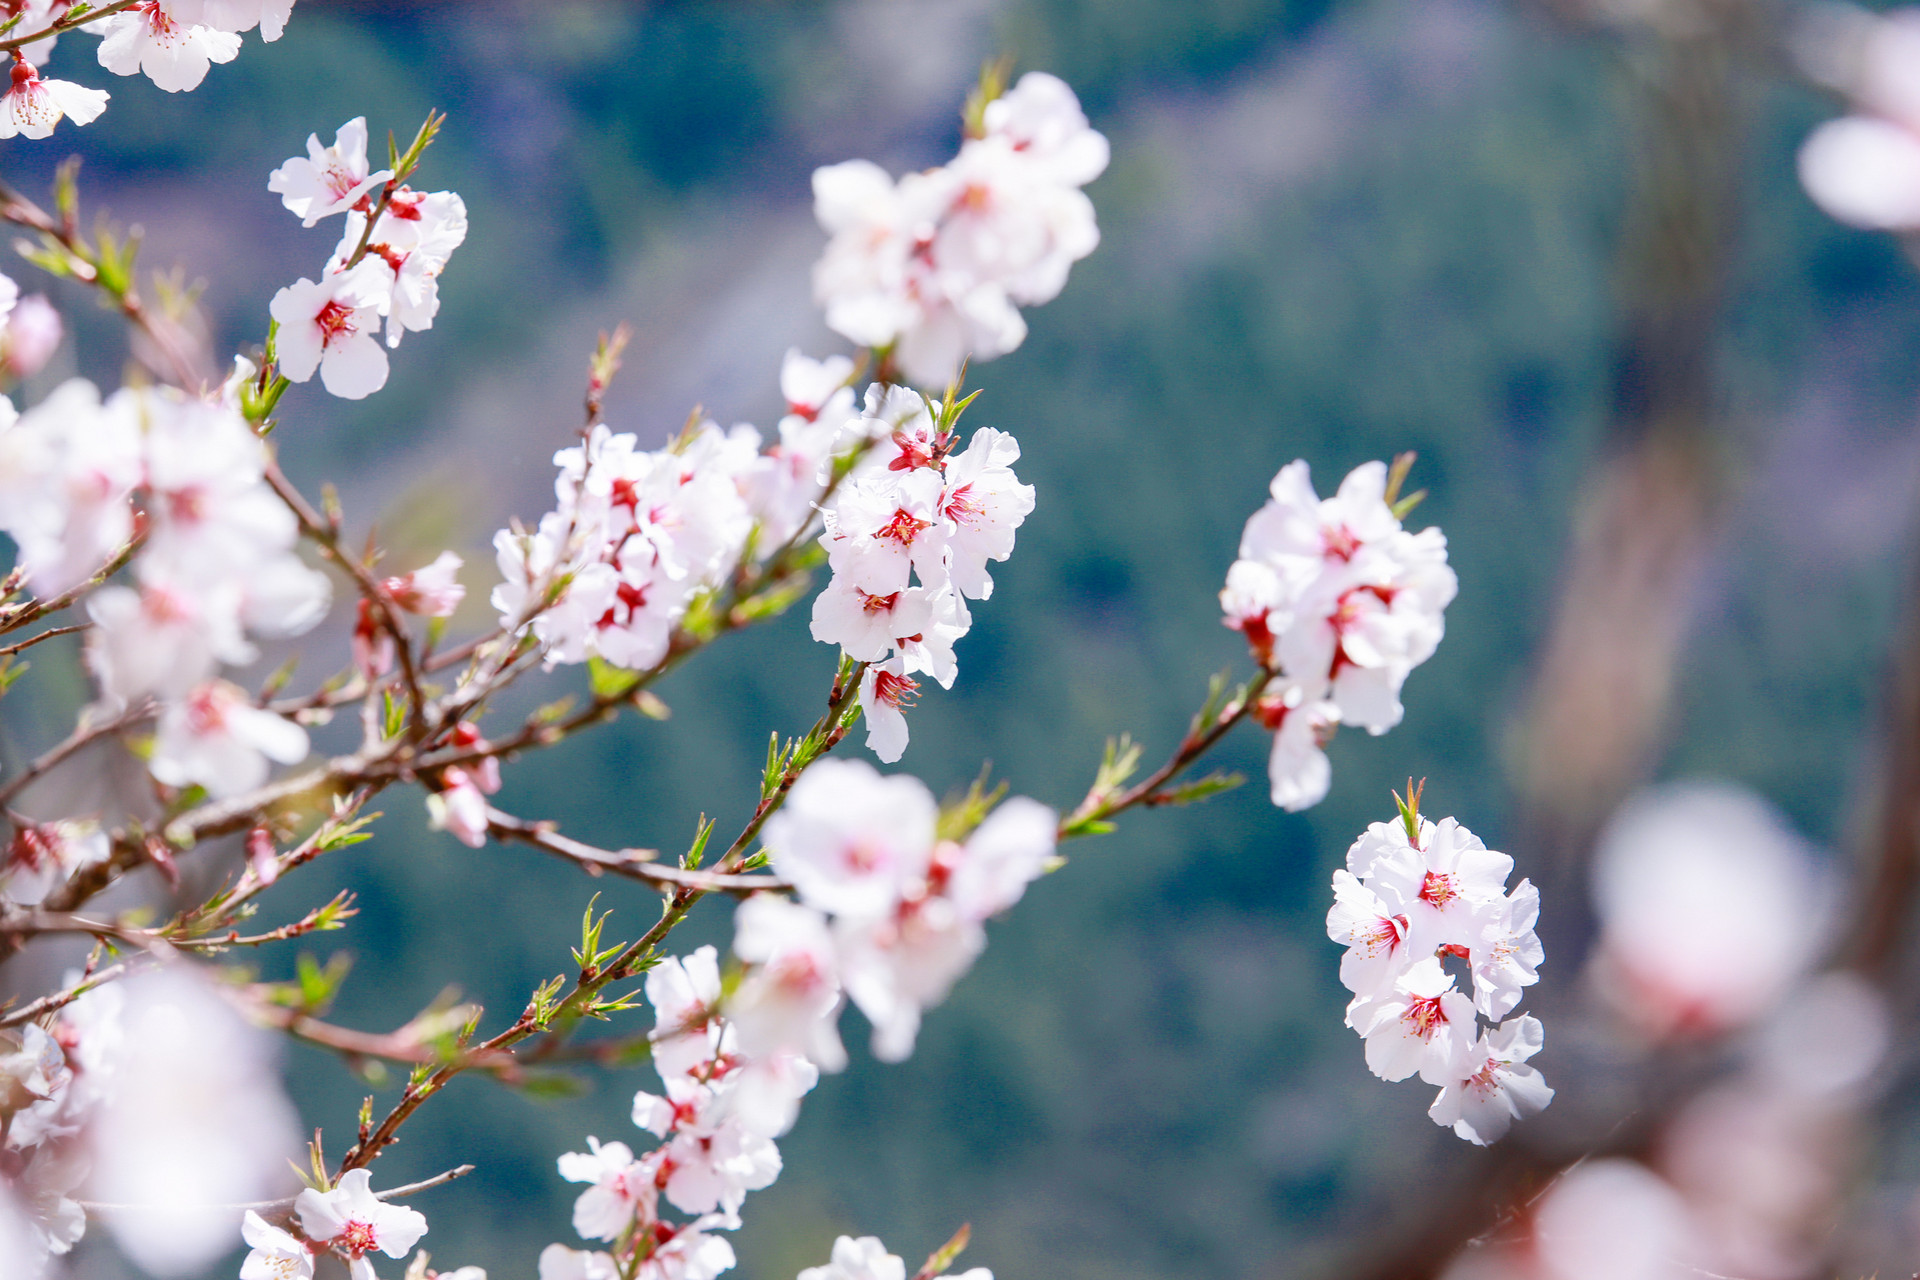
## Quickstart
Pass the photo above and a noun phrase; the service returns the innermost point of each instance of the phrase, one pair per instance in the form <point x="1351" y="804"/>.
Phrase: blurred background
<point x="1664" y="407"/>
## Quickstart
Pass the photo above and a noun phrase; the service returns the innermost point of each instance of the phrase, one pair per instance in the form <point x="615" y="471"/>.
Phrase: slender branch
<point x="48" y="634"/>
<point x="61" y="999"/>
<point x="78" y="739"/>
<point x="13" y="617"/>
<point x="66" y="22"/>
<point x="636" y="864"/>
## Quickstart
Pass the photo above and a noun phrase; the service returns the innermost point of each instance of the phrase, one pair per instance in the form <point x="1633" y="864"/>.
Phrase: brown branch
<point x="636" y="864"/>
<point x="78" y="739"/>
<point x="48" y="634"/>
<point x="13" y="617"/>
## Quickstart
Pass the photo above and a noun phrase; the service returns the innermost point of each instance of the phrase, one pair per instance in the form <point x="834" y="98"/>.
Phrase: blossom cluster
<point x="638" y="535"/>
<point x="216" y="567"/>
<point x="909" y="537"/>
<point x="1415" y="893"/>
<point x="172" y="42"/>
<point x="385" y="270"/>
<point x="1339" y="602"/>
<point x="152" y="1096"/>
<point x="935" y="267"/>
<point x="889" y="915"/>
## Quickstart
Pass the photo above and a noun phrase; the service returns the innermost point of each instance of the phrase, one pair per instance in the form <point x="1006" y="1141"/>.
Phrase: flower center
<point x="358" y="1237"/>
<point x="872" y="604"/>
<point x="1437" y="890"/>
<point x="1423" y="1015"/>
<point x="895" y="691"/>
<point x="335" y="321"/>
<point x="903" y="528"/>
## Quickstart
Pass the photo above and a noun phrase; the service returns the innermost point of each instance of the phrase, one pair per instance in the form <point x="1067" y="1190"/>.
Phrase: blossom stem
<point x="13" y="617"/>
<point x="66" y="23"/>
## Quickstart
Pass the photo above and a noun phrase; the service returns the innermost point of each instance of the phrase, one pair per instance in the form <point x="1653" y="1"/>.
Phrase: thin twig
<point x="636" y="864"/>
<point x="74" y="742"/>
<point x="286" y="1202"/>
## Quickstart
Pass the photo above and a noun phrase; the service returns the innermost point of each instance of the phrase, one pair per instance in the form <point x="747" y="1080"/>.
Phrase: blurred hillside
<point x="1332" y="231"/>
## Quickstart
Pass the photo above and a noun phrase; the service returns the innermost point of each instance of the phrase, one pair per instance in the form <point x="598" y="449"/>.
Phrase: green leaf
<point x="1198" y="789"/>
<point x="393" y="715"/>
<point x="550" y="1086"/>
<point x="698" y="852"/>
<point x="607" y="681"/>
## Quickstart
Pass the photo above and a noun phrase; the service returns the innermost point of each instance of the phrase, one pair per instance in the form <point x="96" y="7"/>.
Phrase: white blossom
<point x="557" y="1262"/>
<point x="355" y="1221"/>
<point x="329" y="327"/>
<point x="173" y="53"/>
<point x="43" y="855"/>
<point x="790" y="996"/>
<point x="622" y="1189"/>
<point x="851" y="841"/>
<point x="31" y="106"/>
<point x="1492" y="1085"/>
<point x="1423" y="1025"/>
<point x="215" y="737"/>
<point x="274" y="1254"/>
<point x="328" y="180"/>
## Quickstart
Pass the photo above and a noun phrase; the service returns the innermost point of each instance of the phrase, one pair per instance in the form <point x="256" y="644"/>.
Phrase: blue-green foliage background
<point x="1331" y="231"/>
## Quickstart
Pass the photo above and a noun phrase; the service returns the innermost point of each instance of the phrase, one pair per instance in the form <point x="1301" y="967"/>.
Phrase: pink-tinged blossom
<point x="1423" y="1025"/>
<point x="790" y="995"/>
<point x="174" y="54"/>
<point x="623" y="1189"/>
<point x="68" y="468"/>
<point x="1298" y="772"/>
<point x="895" y="968"/>
<point x="459" y="808"/>
<point x="1710" y="907"/>
<point x="986" y="504"/>
<point x="768" y="1089"/>
<point x="866" y="624"/>
<point x="410" y="246"/>
<point x="1492" y="1085"/>
<point x="886" y="694"/>
<point x="329" y="327"/>
<point x="32" y="334"/>
<point x="217" y="738"/>
<point x="1864" y="169"/>
<point x="1041" y="119"/>
<point x="886" y="525"/>
<point x="161" y="639"/>
<point x="851" y="841"/>
<point x="863" y="1259"/>
<point x="275" y="1255"/>
<point x="355" y="1222"/>
<point x="710" y="1159"/>
<point x="688" y="1251"/>
<point x="1454" y="876"/>
<point x="1008" y="851"/>
<point x="433" y="591"/>
<point x="42" y="856"/>
<point x="237" y="15"/>
<point x="192" y="1122"/>
<point x="1505" y="953"/>
<point x="32" y="106"/>
<point x="1375" y="934"/>
<point x="685" y="994"/>
<point x="557" y="1262"/>
<point x="328" y="180"/>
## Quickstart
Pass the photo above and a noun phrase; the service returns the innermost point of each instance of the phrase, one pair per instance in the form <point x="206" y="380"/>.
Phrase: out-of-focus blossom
<point x="237" y="15"/>
<point x="1864" y="169"/>
<point x="32" y="334"/>
<point x="851" y="841"/>
<point x="217" y="738"/>
<point x="459" y="808"/>
<point x="557" y="1262"/>
<point x="433" y="591"/>
<point x="194" y="1120"/>
<point x="43" y="855"/>
<point x="791" y="995"/>
<point x="1710" y="907"/>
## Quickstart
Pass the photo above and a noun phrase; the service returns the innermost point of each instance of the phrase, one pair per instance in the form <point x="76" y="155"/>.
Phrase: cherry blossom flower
<point x="1008" y="851"/>
<point x="459" y="808"/>
<point x="867" y="624"/>
<point x="711" y="1159"/>
<point x="215" y="737"/>
<point x="43" y="855"/>
<point x="851" y="841"/>
<point x="1505" y="953"/>
<point x="31" y="106"/>
<point x="790" y="996"/>
<point x="174" y="54"/>
<point x="886" y="691"/>
<point x="68" y="468"/>
<point x="275" y="1255"/>
<point x="557" y="1262"/>
<point x="328" y="180"/>
<point x="886" y="525"/>
<point x="330" y="327"/>
<point x="1864" y="169"/>
<point x="32" y="334"/>
<point x="433" y="591"/>
<point x="237" y="15"/>
<point x="409" y="247"/>
<point x="1374" y="932"/>
<point x="622" y="1189"/>
<point x="685" y="994"/>
<point x="986" y="504"/>
<point x="863" y="1259"/>
<point x="1298" y="772"/>
<point x="1422" y="1026"/>
<point x="1453" y="876"/>
<point x="193" y="1124"/>
<point x="688" y="1251"/>
<point x="1493" y="1086"/>
<point x="356" y="1222"/>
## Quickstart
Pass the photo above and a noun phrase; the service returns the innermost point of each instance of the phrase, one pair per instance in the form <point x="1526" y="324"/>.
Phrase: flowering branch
<point x="68" y="21"/>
